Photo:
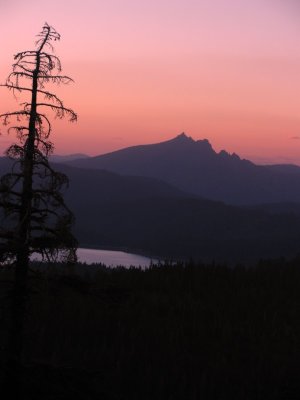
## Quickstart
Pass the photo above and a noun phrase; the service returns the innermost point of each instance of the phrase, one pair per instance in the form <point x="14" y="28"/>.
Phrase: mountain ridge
<point x="67" y="157"/>
<point x="194" y="167"/>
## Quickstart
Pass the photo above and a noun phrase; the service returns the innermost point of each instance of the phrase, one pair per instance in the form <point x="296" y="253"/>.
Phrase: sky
<point x="225" y="70"/>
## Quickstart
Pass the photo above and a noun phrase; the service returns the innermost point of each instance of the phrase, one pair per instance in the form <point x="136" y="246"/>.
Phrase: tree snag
<point x="34" y="217"/>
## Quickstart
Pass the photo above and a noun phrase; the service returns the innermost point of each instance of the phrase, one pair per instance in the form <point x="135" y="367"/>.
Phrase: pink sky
<point x="225" y="70"/>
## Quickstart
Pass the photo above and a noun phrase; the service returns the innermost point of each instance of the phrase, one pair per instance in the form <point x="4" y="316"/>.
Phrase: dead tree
<point x="34" y="217"/>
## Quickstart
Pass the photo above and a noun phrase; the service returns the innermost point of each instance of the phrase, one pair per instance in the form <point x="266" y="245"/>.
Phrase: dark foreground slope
<point x="194" y="167"/>
<point x="169" y="333"/>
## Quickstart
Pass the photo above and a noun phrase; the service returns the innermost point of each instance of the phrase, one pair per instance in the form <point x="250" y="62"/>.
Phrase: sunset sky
<point x="145" y="71"/>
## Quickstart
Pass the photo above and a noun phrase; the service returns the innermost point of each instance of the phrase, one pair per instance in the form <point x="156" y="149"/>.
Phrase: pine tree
<point x="34" y="216"/>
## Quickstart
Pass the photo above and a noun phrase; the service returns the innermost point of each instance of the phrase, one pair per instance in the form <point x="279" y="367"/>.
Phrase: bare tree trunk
<point x="13" y="373"/>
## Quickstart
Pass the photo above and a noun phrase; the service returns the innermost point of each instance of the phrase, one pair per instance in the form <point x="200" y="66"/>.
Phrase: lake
<point x="113" y="258"/>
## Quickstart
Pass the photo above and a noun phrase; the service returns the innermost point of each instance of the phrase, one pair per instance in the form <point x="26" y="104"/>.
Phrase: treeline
<point x="185" y="331"/>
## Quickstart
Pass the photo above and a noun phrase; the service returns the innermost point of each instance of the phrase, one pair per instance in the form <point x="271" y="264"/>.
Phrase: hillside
<point x="103" y="186"/>
<point x="181" y="228"/>
<point x="152" y="217"/>
<point x="149" y="216"/>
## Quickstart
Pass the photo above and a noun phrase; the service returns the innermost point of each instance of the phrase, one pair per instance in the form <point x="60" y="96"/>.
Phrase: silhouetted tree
<point x="34" y="216"/>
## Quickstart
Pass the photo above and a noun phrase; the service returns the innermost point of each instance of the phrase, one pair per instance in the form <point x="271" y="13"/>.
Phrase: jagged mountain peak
<point x="187" y="142"/>
<point x="225" y="155"/>
<point x="183" y="137"/>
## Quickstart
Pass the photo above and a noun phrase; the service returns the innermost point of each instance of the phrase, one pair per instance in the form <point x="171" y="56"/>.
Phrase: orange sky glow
<point x="225" y="70"/>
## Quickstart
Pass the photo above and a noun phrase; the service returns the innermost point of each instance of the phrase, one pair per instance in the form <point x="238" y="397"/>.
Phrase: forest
<point x="169" y="332"/>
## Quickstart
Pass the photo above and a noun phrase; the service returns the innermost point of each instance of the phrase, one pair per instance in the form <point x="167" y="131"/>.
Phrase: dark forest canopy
<point x="185" y="331"/>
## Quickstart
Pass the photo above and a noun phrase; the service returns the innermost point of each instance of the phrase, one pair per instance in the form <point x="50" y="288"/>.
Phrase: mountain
<point x="149" y="216"/>
<point x="194" y="167"/>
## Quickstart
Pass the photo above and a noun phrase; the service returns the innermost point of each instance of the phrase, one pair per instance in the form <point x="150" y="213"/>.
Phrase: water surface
<point x="112" y="258"/>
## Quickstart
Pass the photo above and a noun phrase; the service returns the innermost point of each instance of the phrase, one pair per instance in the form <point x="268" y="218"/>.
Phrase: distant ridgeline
<point x="167" y="199"/>
<point x="194" y="167"/>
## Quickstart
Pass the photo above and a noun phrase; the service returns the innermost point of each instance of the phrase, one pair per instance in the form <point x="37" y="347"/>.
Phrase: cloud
<point x="295" y="137"/>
